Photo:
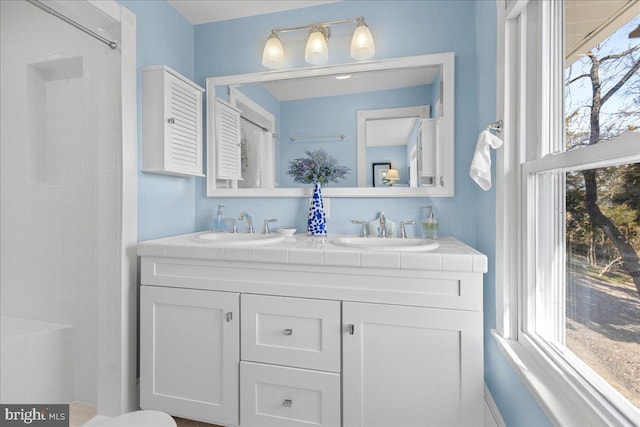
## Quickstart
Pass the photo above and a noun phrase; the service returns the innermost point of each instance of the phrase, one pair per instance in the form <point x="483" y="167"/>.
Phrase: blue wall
<point x="166" y="204"/>
<point x="336" y="115"/>
<point x="516" y="405"/>
<point x="170" y="205"/>
<point x="400" y="28"/>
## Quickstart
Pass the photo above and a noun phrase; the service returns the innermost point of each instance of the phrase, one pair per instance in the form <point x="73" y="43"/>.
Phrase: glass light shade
<point x="273" y="54"/>
<point x="362" y="45"/>
<point x="392" y="175"/>
<point x="316" y="52"/>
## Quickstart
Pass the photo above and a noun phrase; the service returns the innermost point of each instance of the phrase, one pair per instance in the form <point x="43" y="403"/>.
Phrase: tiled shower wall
<point x="60" y="145"/>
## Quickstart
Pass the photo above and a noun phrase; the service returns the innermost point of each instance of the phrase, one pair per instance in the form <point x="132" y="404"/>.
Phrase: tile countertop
<point x="452" y="255"/>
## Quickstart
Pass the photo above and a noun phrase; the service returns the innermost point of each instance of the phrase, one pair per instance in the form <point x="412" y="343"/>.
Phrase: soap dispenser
<point x="429" y="223"/>
<point x="218" y="220"/>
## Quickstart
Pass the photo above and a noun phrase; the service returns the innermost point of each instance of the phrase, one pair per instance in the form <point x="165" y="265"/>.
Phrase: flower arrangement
<point x="318" y="167"/>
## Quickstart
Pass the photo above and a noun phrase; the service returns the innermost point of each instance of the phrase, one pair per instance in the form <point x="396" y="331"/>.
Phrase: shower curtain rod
<point x="264" y="129"/>
<point x="47" y="9"/>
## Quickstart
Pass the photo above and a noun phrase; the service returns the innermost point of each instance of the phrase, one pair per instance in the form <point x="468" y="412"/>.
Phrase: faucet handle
<point x="234" y="227"/>
<point x="265" y="229"/>
<point x="403" y="232"/>
<point x="363" y="229"/>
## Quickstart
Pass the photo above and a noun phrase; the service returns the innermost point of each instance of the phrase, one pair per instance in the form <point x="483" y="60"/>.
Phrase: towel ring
<point x="495" y="126"/>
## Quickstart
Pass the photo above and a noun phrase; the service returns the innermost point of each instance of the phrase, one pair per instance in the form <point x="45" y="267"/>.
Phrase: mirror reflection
<point x="391" y="113"/>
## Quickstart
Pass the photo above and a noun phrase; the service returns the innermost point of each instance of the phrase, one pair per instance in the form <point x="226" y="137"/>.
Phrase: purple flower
<point x="318" y="167"/>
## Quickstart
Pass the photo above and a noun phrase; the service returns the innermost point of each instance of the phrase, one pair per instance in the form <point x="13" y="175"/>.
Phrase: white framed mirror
<point x="360" y="113"/>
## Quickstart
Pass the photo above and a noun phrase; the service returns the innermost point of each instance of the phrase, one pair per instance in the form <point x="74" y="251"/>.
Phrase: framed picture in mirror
<point x="379" y="173"/>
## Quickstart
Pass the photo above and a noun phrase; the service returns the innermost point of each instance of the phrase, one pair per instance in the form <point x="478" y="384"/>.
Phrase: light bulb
<point x="316" y="52"/>
<point x="362" y="45"/>
<point x="273" y="54"/>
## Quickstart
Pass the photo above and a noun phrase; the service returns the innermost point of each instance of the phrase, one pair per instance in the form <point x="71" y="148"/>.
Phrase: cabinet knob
<point x="288" y="332"/>
<point x="287" y="403"/>
<point x="171" y="120"/>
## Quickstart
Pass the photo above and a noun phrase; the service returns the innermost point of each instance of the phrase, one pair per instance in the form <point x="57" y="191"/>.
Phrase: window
<point x="569" y="200"/>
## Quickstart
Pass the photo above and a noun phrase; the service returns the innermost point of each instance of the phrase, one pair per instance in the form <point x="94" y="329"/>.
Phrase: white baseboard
<point x="492" y="417"/>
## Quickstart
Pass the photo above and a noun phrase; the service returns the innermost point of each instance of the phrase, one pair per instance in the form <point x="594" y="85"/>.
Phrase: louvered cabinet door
<point x="183" y="127"/>
<point x="171" y="123"/>
<point x="227" y="122"/>
<point x="427" y="160"/>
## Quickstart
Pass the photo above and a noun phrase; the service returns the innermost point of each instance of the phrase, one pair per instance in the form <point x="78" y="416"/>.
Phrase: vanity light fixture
<point x="316" y="51"/>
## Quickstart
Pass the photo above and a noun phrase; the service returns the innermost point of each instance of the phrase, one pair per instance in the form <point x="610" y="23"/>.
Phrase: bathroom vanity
<point x="304" y="332"/>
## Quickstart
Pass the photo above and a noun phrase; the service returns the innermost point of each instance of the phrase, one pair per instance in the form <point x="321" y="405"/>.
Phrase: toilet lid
<point x="144" y="418"/>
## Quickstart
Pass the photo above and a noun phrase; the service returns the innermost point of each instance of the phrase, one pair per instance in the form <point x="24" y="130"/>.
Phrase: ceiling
<point x="204" y="11"/>
<point x="319" y="86"/>
<point x="589" y="22"/>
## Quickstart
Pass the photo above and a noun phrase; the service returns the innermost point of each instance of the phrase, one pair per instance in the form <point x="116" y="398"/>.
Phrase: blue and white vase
<point x="317" y="220"/>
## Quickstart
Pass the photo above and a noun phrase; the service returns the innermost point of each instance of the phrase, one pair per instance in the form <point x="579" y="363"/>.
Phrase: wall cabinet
<point x="428" y="152"/>
<point x="239" y="343"/>
<point x="171" y="123"/>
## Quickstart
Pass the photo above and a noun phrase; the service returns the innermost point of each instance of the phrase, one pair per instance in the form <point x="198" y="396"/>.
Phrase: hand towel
<point x="481" y="163"/>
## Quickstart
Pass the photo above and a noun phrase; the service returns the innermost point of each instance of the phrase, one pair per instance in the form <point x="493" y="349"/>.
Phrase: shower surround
<point x="62" y="204"/>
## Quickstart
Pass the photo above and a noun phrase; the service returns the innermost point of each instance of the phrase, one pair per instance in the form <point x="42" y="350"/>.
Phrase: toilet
<point x="143" y="418"/>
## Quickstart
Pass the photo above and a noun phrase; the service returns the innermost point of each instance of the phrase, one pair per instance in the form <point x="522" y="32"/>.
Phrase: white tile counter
<point x="452" y="255"/>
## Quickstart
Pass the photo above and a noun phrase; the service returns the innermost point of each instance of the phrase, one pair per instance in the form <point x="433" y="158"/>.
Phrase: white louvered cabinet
<point x="428" y="153"/>
<point x="227" y="128"/>
<point x="171" y="122"/>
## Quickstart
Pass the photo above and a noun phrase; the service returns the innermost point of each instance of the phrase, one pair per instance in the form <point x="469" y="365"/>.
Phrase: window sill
<point x="564" y="402"/>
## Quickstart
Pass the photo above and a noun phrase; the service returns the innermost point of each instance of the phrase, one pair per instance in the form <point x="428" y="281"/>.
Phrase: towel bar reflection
<point x="310" y="138"/>
<point x="495" y="126"/>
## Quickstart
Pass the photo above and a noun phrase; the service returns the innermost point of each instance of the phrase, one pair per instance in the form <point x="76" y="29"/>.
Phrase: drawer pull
<point x="351" y="329"/>
<point x="287" y="403"/>
<point x="288" y="332"/>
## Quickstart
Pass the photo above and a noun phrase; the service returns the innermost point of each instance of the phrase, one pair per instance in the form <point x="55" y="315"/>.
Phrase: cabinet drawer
<point x="276" y="396"/>
<point x="304" y="333"/>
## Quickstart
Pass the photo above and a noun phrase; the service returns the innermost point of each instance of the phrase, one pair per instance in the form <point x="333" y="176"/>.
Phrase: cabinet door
<point x="189" y="353"/>
<point x="227" y="122"/>
<point x="183" y="126"/>
<point x="411" y="366"/>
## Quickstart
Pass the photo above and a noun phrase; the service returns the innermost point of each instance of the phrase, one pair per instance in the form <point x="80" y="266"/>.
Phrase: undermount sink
<point x="240" y="239"/>
<point x="387" y="244"/>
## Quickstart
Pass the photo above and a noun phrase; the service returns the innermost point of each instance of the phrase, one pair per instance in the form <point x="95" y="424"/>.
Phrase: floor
<point x="80" y="413"/>
<point x="183" y="422"/>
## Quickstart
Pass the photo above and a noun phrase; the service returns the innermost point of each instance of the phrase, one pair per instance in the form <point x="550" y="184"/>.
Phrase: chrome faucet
<point x="403" y="231"/>
<point x="382" y="232"/>
<point x="265" y="229"/>
<point x="363" y="227"/>
<point x="234" y="228"/>
<point x="246" y="216"/>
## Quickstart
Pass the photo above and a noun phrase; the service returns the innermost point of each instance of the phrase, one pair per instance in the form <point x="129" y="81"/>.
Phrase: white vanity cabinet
<point x="189" y="353"/>
<point x="328" y="336"/>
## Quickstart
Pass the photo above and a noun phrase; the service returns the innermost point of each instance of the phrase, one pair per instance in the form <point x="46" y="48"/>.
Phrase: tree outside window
<point x="602" y="100"/>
